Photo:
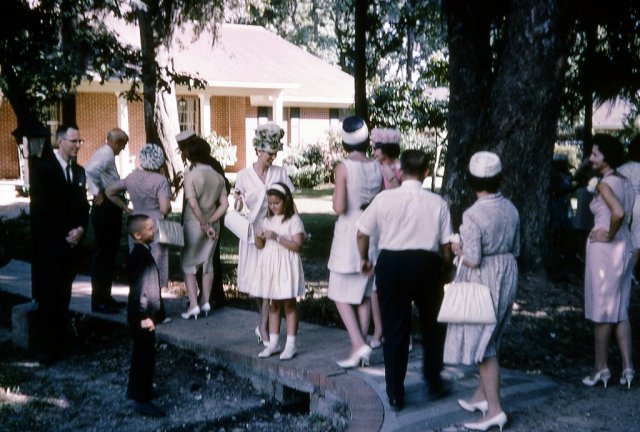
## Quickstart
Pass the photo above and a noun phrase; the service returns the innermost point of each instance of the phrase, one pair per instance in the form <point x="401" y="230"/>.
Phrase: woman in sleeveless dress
<point x="357" y="181"/>
<point x="607" y="281"/>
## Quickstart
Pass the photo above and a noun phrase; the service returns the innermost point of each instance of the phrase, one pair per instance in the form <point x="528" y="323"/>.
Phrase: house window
<point x="264" y="114"/>
<point x="294" y="125"/>
<point x="334" y="117"/>
<point x="188" y="115"/>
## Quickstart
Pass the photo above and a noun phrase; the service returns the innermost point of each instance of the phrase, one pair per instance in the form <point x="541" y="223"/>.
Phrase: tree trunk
<point x="148" y="47"/>
<point x="166" y="120"/>
<point x="469" y="66"/>
<point x="360" y="74"/>
<point x="518" y="119"/>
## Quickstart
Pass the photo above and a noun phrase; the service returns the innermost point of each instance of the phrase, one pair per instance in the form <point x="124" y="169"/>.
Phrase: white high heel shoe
<point x="360" y="357"/>
<point x="604" y="375"/>
<point x="627" y="377"/>
<point x="482" y="406"/>
<point x="193" y="312"/>
<point x="259" y="336"/>
<point x="498" y="420"/>
<point x="205" y="308"/>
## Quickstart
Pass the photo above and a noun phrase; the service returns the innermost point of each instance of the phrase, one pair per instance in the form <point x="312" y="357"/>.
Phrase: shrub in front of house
<point x="312" y="165"/>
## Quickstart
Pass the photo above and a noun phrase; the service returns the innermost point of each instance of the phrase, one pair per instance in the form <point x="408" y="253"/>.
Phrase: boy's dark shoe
<point x="148" y="409"/>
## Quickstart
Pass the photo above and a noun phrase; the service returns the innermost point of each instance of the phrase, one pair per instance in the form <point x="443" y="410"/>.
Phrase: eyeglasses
<point x="75" y="141"/>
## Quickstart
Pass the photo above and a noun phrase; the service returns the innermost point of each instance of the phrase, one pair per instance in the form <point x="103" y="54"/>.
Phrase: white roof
<point x="251" y="61"/>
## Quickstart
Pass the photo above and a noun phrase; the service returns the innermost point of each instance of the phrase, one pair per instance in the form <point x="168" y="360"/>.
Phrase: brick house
<point x="252" y="76"/>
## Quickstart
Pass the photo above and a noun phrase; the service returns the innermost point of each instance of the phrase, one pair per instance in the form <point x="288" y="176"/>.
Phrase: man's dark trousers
<point x="403" y="277"/>
<point x="106" y="220"/>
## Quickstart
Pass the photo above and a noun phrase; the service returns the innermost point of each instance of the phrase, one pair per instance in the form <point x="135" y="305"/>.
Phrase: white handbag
<point x="169" y="233"/>
<point x="240" y="226"/>
<point x="466" y="303"/>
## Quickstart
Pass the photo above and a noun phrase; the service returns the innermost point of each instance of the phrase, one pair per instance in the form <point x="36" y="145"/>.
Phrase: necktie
<point x="68" y="172"/>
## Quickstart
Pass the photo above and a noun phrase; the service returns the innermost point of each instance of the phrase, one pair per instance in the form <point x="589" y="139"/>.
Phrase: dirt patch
<point x="86" y="391"/>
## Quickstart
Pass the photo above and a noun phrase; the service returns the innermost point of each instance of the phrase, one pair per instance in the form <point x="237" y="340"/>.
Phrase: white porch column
<point x="276" y="107"/>
<point x="205" y="114"/>
<point x="123" y="161"/>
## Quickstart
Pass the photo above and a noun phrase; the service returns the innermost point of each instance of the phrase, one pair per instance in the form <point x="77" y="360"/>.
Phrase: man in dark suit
<point x="59" y="217"/>
<point x="144" y="312"/>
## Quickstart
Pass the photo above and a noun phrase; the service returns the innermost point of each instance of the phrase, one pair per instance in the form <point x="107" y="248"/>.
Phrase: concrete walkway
<point x="226" y="337"/>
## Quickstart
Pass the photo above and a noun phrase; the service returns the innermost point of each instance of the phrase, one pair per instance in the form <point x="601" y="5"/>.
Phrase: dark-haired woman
<point x="206" y="203"/>
<point x="490" y="243"/>
<point x="357" y="181"/>
<point x="607" y="284"/>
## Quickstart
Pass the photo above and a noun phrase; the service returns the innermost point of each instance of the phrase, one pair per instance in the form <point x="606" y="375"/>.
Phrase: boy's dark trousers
<point x="143" y="362"/>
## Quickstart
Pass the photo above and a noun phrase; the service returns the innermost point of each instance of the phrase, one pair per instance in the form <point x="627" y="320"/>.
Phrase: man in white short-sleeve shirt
<point x="413" y="226"/>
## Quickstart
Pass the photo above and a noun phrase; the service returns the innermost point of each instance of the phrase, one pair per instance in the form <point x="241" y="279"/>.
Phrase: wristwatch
<point x="278" y="239"/>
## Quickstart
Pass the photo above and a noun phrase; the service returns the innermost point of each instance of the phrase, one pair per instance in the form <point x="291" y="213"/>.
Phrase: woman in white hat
<point x="490" y="243"/>
<point x="251" y="192"/>
<point x="357" y="181"/>
<point x="150" y="194"/>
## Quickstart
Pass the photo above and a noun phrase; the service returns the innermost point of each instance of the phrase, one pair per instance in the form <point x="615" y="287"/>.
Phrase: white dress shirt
<point x="101" y="170"/>
<point x="407" y="218"/>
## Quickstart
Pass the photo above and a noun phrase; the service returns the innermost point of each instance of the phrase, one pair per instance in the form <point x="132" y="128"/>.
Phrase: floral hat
<point x="151" y="157"/>
<point x="268" y="138"/>
<point x="382" y="136"/>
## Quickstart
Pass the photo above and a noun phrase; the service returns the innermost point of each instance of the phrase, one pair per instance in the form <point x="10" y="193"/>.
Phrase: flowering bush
<point x="312" y="165"/>
<point x="222" y="150"/>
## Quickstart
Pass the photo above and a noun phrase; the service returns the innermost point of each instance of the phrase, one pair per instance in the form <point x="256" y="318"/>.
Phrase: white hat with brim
<point x="485" y="164"/>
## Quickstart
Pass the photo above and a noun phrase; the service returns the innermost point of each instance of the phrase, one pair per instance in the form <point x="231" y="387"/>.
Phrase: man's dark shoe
<point x="443" y="390"/>
<point x="396" y="404"/>
<point x="148" y="409"/>
<point x="104" y="309"/>
<point x="115" y="303"/>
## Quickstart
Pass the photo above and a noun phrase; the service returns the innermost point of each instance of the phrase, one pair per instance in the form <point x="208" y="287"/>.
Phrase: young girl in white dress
<point x="280" y="267"/>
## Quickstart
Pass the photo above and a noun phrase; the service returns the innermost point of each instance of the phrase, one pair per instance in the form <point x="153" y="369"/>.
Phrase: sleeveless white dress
<point x="346" y="283"/>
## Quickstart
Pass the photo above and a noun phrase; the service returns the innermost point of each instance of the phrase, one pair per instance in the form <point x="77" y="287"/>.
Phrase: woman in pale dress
<point x="607" y="284"/>
<point x="280" y="268"/>
<point x="386" y="150"/>
<point x="150" y="194"/>
<point x="357" y="181"/>
<point x="250" y="192"/>
<point x="631" y="170"/>
<point x="490" y="243"/>
<point x="206" y="203"/>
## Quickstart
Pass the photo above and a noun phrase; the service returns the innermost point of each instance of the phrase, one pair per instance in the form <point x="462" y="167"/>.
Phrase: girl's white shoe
<point x="272" y="347"/>
<point x="289" y="352"/>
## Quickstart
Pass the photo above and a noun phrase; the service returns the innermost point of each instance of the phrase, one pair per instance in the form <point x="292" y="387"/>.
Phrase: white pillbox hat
<point x="485" y="164"/>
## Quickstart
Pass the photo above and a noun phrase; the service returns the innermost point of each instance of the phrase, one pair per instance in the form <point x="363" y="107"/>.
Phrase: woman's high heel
<point x="482" y="406"/>
<point x="604" y="375"/>
<point x="193" y="312"/>
<point x="360" y="357"/>
<point x="498" y="420"/>
<point x="627" y="377"/>
<point x="205" y="308"/>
